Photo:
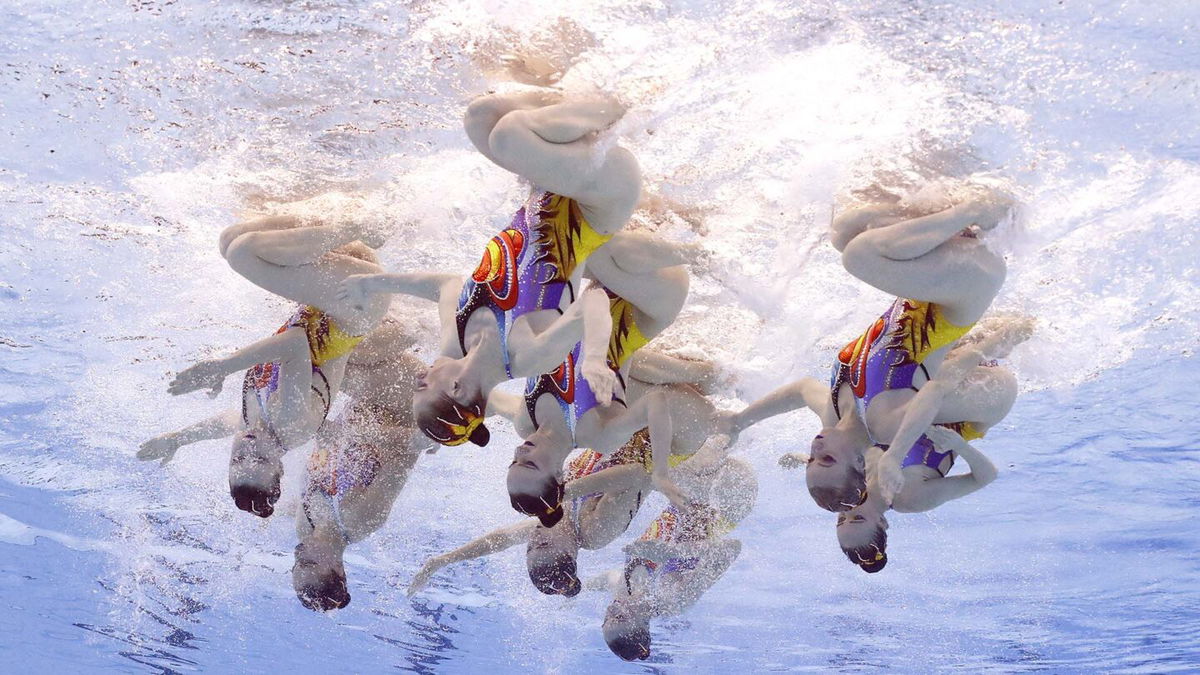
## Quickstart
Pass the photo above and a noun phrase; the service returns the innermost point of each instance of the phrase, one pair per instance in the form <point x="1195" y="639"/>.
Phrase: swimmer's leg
<point x="923" y="259"/>
<point x="658" y="296"/>
<point x="296" y="413"/>
<point x="654" y="367"/>
<point x="296" y="264"/>
<point x="552" y="147"/>
<point x="984" y="398"/>
<point x="484" y="112"/>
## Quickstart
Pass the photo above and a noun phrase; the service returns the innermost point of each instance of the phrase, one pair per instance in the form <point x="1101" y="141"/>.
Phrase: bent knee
<point x="243" y="252"/>
<point x="228" y="235"/>
<point x="510" y="135"/>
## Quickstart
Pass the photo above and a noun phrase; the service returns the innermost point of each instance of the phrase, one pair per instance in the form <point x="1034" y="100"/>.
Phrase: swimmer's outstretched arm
<point x="612" y="479"/>
<point x="357" y="289"/>
<point x="164" y="446"/>
<point x="933" y="493"/>
<point x="492" y="542"/>
<point x="287" y="347"/>
<point x="807" y="392"/>
<point x="589" y="315"/>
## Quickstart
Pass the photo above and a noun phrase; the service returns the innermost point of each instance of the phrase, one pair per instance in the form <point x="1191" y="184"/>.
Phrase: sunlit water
<point x="132" y="130"/>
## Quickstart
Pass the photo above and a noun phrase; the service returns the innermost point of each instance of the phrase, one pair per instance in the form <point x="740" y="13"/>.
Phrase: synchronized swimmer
<point x="569" y="300"/>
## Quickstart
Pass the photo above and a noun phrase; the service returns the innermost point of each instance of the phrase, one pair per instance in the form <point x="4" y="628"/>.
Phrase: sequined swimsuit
<point x="698" y="525"/>
<point x="326" y="341"/>
<point x="528" y="266"/>
<point x="352" y="462"/>
<point x="588" y="462"/>
<point x="567" y="385"/>
<point x="888" y="355"/>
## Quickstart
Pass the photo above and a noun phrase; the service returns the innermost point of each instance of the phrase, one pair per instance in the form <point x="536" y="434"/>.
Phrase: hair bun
<point x="551" y="518"/>
<point x="480" y="436"/>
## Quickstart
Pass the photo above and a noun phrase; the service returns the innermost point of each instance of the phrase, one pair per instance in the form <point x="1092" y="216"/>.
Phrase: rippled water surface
<point x="132" y="130"/>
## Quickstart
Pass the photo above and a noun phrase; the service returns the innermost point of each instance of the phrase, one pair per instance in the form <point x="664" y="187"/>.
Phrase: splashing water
<point x="135" y="131"/>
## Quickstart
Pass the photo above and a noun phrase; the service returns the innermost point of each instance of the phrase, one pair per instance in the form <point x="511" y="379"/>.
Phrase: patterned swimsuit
<point x="529" y="266"/>
<point x="887" y="357"/>
<point x="326" y="341"/>
<point x="567" y="385"/>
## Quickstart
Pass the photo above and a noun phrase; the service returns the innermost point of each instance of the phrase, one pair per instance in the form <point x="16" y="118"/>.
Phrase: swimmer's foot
<point x="793" y="460"/>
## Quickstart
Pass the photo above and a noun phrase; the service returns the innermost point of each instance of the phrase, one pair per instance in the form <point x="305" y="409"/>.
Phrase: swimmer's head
<point x="550" y="558"/>
<point x="836" y="472"/>
<point x="862" y="534"/>
<point x="319" y="577"/>
<point x="255" y="471"/>
<point x="627" y="630"/>
<point x="446" y="411"/>
<point x="535" y="485"/>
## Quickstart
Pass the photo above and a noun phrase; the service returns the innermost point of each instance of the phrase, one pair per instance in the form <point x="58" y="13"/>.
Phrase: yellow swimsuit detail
<point x="326" y="340"/>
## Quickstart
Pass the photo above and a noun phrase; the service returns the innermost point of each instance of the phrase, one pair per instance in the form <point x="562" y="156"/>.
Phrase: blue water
<point x="132" y="129"/>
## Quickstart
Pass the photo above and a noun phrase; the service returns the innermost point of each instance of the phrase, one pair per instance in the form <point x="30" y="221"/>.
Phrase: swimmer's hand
<point x="945" y="439"/>
<point x="793" y="460"/>
<point x="421" y="580"/>
<point x="206" y="374"/>
<point x="600" y="378"/>
<point x="668" y="487"/>
<point x="356" y="290"/>
<point x="161" y="448"/>
<point x="890" y="476"/>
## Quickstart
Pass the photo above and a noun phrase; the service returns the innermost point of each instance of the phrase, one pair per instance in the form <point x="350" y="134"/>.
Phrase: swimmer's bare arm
<point x="492" y="542"/>
<point x="651" y="410"/>
<point x="590" y="315"/>
<point x="612" y="479"/>
<point x="509" y="406"/>
<point x="357" y="289"/>
<point x="164" y="446"/>
<point x="922" y="409"/>
<point x="807" y="392"/>
<point x="287" y="347"/>
<point x="932" y="493"/>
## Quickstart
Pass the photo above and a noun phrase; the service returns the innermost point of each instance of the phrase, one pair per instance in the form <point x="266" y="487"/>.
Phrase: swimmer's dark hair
<point x="559" y="577"/>
<point x="255" y="499"/>
<point x="545" y="504"/>
<point x="327" y="595"/>
<point x="632" y="646"/>
<point x="871" y="557"/>
<point x="452" y="423"/>
<point x="843" y="497"/>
